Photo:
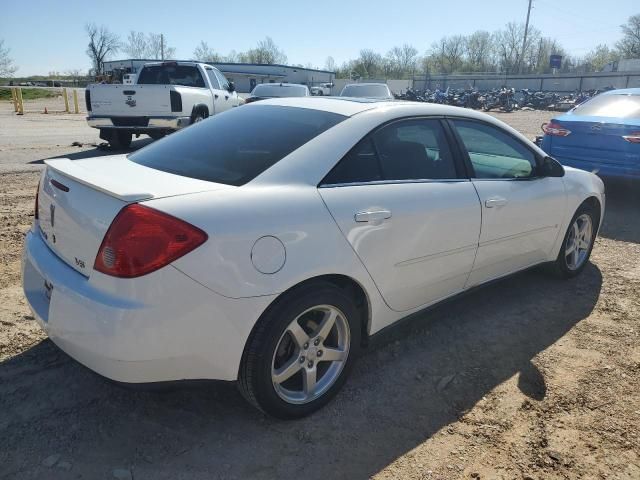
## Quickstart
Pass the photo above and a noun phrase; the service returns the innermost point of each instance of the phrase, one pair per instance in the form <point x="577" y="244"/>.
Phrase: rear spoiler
<point x="106" y="182"/>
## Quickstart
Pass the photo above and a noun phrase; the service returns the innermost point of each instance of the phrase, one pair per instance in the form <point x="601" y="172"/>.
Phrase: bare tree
<point x="7" y="68"/>
<point x="102" y="44"/>
<point x="479" y="51"/>
<point x="232" y="57"/>
<point x="75" y="74"/>
<point x="596" y="59"/>
<point x="204" y="53"/>
<point x="267" y="52"/>
<point x="448" y="53"/>
<point x="136" y="45"/>
<point x="330" y="64"/>
<point x="401" y="61"/>
<point x="370" y="63"/>
<point x="157" y="47"/>
<point x="629" y="46"/>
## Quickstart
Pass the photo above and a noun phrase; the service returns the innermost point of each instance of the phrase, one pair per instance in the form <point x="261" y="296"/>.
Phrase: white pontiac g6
<point x="266" y="244"/>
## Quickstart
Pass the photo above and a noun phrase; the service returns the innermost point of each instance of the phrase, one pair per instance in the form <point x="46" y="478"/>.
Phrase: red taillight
<point x="633" y="137"/>
<point x="141" y="240"/>
<point x="555" y="129"/>
<point x="36" y="209"/>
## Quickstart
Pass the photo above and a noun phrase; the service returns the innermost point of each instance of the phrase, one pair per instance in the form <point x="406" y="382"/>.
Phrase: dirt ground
<point x="529" y="378"/>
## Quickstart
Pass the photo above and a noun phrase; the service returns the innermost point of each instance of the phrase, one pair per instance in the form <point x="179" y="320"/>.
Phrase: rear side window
<point x="494" y="153"/>
<point x="267" y="90"/>
<point x="405" y="150"/>
<point x="367" y="91"/>
<point x="185" y="75"/>
<point x="613" y="105"/>
<point x="236" y="146"/>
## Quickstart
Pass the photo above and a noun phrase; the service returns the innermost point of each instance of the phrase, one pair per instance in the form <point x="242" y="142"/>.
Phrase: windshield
<point x="368" y="91"/>
<point x="185" y="75"/>
<point x="236" y="146"/>
<point x="275" y="90"/>
<point x="613" y="105"/>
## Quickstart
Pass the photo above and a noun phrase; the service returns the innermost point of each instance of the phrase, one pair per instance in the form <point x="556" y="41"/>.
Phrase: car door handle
<point x="495" y="202"/>
<point x="372" y="215"/>
<point x="226" y="97"/>
<point x="215" y="96"/>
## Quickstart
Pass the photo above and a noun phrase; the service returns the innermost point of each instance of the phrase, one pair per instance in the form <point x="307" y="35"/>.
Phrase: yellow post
<point x="14" y="99"/>
<point x="66" y="100"/>
<point x="76" y="109"/>
<point x="20" y="102"/>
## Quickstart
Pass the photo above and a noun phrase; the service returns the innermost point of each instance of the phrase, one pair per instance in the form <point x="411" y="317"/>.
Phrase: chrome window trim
<point x="394" y="182"/>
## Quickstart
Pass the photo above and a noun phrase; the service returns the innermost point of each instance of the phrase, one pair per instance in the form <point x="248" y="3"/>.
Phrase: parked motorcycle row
<point x="505" y="99"/>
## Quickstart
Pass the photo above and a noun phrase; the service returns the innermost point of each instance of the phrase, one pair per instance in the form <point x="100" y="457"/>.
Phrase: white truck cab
<point x="166" y="96"/>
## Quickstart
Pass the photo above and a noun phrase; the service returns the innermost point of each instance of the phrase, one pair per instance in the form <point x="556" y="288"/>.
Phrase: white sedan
<point x="268" y="243"/>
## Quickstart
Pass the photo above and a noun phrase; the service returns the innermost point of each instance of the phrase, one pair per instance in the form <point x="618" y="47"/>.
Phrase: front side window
<point x="184" y="75"/>
<point x="494" y="153"/>
<point x="213" y="79"/>
<point x="238" y="145"/>
<point x="224" y="83"/>
<point x="405" y="150"/>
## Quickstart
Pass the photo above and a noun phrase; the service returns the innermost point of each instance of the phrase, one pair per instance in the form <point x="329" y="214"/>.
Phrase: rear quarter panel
<point x="235" y="220"/>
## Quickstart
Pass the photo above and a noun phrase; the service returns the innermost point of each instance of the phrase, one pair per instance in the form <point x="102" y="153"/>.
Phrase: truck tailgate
<point x="130" y="100"/>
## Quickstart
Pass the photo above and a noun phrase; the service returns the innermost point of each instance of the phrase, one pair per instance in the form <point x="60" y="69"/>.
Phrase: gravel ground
<point x="529" y="378"/>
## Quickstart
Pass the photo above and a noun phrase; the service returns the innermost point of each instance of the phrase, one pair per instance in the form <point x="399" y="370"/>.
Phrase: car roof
<point x="623" y="91"/>
<point x="365" y="84"/>
<point x="283" y="84"/>
<point x="349" y="106"/>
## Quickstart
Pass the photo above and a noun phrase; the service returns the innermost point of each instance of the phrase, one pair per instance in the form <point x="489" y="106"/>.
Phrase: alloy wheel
<point x="310" y="354"/>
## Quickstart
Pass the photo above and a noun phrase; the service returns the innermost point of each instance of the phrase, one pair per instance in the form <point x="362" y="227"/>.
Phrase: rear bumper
<point x="139" y="124"/>
<point x="602" y="168"/>
<point x="161" y="327"/>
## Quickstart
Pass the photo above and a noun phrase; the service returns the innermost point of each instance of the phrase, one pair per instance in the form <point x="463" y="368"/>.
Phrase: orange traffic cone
<point x="45" y="110"/>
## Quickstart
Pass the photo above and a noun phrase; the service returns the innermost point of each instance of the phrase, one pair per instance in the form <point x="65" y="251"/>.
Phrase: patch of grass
<point x="29" y="93"/>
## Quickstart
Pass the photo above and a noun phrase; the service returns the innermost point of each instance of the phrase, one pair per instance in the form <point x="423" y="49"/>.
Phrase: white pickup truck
<point x="167" y="96"/>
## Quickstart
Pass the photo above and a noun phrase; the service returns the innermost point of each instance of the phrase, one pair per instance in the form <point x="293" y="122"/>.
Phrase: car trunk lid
<point x="78" y="200"/>
<point x="596" y="140"/>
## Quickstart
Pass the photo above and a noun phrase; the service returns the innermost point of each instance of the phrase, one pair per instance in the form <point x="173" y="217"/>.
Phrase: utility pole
<point x="162" y="37"/>
<point x="524" y="40"/>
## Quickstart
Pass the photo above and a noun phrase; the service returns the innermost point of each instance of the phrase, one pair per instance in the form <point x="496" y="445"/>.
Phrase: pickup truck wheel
<point x="120" y="140"/>
<point x="198" y="117"/>
<point x="156" y="135"/>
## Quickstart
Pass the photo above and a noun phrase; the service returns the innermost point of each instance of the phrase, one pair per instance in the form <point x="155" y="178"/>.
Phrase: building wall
<point x="561" y="83"/>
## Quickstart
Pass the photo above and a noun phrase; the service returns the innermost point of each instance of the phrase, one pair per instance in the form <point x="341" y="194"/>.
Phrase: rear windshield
<point x="267" y="90"/>
<point x="368" y="91"/>
<point x="613" y="105"/>
<point x="236" y="146"/>
<point x="185" y="75"/>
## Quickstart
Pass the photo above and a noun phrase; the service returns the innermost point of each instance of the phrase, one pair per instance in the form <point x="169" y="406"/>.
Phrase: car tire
<point x="575" y="250"/>
<point x="278" y="368"/>
<point x="120" y="140"/>
<point x="198" y="116"/>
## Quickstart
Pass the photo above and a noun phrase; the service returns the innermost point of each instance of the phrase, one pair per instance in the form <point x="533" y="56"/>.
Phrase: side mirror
<point x="551" y="168"/>
<point x="232" y="87"/>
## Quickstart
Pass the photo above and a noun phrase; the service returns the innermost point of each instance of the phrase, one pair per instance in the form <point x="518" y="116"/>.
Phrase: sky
<point x="46" y="36"/>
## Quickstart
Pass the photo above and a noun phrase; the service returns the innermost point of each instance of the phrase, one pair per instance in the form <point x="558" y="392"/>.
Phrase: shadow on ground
<point x="622" y="215"/>
<point x="419" y="379"/>
<point x="98" y="151"/>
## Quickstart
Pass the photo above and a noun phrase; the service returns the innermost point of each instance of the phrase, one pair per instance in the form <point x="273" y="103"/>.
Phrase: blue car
<point x="601" y="135"/>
